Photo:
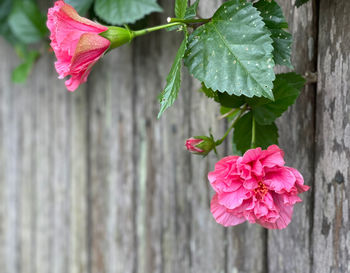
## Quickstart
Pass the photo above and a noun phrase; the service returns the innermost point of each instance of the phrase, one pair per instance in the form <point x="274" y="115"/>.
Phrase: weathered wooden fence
<point x="91" y="182"/>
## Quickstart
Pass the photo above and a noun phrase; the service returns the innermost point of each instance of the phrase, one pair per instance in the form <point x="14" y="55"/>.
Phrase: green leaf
<point x="286" y="90"/>
<point x="231" y="101"/>
<point x="173" y="81"/>
<point x="5" y="9"/>
<point x="26" y="22"/>
<point x="191" y="11"/>
<point x="265" y="135"/>
<point x="298" y="3"/>
<point x="180" y="8"/>
<point x="272" y="15"/>
<point x="21" y="73"/>
<point x="233" y="52"/>
<point x="81" y="6"/>
<point x="229" y="112"/>
<point x="209" y="92"/>
<point x="120" y="12"/>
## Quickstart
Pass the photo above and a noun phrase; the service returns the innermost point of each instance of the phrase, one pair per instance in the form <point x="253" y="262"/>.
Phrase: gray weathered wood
<point x="331" y="232"/>
<point x="92" y="182"/>
<point x="290" y="250"/>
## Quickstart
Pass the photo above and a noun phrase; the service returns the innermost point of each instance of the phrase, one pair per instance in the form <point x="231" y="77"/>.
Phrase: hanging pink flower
<point x="76" y="43"/>
<point x="256" y="187"/>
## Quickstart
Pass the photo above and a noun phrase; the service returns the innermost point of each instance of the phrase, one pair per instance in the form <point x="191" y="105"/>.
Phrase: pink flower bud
<point x="76" y="43"/>
<point x="200" y="145"/>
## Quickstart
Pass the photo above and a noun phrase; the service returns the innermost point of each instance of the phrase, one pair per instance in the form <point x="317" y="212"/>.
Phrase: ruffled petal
<point x="222" y="216"/>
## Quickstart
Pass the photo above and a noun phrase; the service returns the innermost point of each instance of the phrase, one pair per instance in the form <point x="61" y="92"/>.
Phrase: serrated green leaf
<point x="233" y="52"/>
<point x="81" y="6"/>
<point x="180" y="8"/>
<point x="286" y="90"/>
<point x="26" y="22"/>
<point x="21" y="73"/>
<point x="298" y="3"/>
<point x="191" y="11"/>
<point x="173" y="81"/>
<point x="265" y="135"/>
<point x="120" y="12"/>
<point x="273" y="17"/>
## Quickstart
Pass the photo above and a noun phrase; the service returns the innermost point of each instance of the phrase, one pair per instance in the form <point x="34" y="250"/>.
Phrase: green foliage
<point x="298" y="3"/>
<point x="272" y="15"/>
<point x="120" y="12"/>
<point x="5" y="9"/>
<point x="286" y="89"/>
<point x="230" y="101"/>
<point x="26" y="22"/>
<point x="209" y="92"/>
<point x="81" y="6"/>
<point x="180" y="8"/>
<point x="191" y="11"/>
<point x="265" y="135"/>
<point x="21" y="73"/>
<point x="233" y="52"/>
<point x="171" y="90"/>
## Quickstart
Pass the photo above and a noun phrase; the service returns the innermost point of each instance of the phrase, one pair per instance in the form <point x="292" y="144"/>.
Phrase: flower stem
<point x="252" y="145"/>
<point x="240" y="112"/>
<point x="188" y="21"/>
<point x="148" y="30"/>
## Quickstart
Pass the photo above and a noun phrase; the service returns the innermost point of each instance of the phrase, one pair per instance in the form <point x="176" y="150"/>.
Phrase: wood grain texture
<point x="332" y="200"/>
<point x="92" y="182"/>
<point x="290" y="250"/>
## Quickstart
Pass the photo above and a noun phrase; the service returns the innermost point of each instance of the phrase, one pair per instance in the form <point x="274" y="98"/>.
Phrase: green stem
<point x="148" y="30"/>
<point x="240" y="112"/>
<point x="188" y="21"/>
<point x="252" y="145"/>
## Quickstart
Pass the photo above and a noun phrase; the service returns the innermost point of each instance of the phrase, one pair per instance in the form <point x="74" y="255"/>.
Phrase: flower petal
<point x="279" y="179"/>
<point x="235" y="198"/>
<point x="222" y="216"/>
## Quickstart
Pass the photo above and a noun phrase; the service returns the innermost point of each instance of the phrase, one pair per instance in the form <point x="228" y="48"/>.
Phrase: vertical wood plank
<point x="290" y="250"/>
<point x="332" y="199"/>
<point x="111" y="166"/>
<point x="39" y="145"/>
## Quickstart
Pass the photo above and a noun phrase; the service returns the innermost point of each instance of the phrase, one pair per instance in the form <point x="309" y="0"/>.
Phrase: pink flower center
<point x="260" y="191"/>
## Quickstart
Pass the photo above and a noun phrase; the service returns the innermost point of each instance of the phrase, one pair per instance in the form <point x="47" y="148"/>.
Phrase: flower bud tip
<point x="168" y="19"/>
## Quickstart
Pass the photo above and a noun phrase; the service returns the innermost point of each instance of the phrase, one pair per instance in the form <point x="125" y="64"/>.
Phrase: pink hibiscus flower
<point x="76" y="43"/>
<point x="256" y="187"/>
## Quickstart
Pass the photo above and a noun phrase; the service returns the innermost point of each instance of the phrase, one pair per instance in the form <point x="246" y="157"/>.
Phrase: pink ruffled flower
<point x="256" y="187"/>
<point x="76" y="43"/>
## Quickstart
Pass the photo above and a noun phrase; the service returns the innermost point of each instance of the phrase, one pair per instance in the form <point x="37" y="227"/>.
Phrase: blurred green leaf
<point x="21" y="73"/>
<point x="5" y="9"/>
<point x="120" y="12"/>
<point x="26" y="22"/>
